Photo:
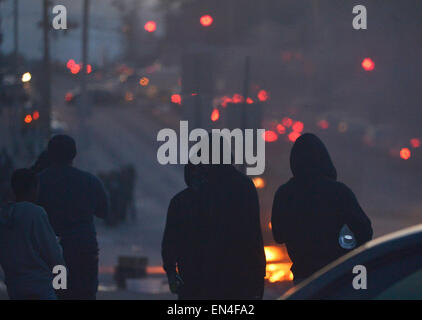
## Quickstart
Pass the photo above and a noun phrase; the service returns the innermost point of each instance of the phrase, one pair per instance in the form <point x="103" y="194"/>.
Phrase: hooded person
<point x="29" y="250"/>
<point x="310" y="210"/>
<point x="72" y="198"/>
<point x="42" y="163"/>
<point x="212" y="246"/>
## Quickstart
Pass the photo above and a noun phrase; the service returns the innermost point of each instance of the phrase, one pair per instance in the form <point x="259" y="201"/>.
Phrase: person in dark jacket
<point x="42" y="163"/>
<point x="310" y="210"/>
<point x="72" y="198"/>
<point x="29" y="250"/>
<point x="212" y="246"/>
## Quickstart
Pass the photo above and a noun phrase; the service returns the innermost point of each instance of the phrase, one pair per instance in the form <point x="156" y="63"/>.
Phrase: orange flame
<point x="258" y="182"/>
<point x="278" y="264"/>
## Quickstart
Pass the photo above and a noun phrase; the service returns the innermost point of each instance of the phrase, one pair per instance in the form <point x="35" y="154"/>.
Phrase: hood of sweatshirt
<point x="309" y="157"/>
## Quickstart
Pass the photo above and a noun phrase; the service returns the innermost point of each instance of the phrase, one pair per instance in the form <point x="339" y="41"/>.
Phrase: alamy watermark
<point x="360" y="281"/>
<point x="360" y="21"/>
<point x="60" y="20"/>
<point x="60" y="280"/>
<point x="200" y="152"/>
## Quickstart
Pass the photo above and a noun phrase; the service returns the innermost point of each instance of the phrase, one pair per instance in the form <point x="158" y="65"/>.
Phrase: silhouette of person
<point x="42" y="163"/>
<point x="212" y="245"/>
<point x="72" y="198"/>
<point x="312" y="207"/>
<point x="28" y="246"/>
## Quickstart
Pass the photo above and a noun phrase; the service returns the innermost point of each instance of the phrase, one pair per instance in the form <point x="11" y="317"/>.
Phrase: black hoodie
<point x="213" y="235"/>
<point x="311" y="208"/>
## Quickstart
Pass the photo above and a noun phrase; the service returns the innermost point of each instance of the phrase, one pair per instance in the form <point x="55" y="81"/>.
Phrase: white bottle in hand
<point x="346" y="238"/>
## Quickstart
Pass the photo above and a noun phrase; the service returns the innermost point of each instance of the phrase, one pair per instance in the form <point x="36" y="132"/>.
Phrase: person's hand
<point x="175" y="282"/>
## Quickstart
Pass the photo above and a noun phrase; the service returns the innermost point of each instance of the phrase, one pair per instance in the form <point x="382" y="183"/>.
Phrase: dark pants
<point x="297" y="280"/>
<point x="245" y="289"/>
<point x="31" y="291"/>
<point x="81" y="259"/>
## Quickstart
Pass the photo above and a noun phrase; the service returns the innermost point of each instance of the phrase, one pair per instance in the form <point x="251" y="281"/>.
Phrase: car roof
<point x="369" y="251"/>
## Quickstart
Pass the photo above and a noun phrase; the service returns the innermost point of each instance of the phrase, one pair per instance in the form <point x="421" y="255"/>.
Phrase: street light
<point x="26" y="77"/>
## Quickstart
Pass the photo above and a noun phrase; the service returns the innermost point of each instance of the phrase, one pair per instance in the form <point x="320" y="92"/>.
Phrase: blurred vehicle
<point x="394" y="271"/>
<point x="120" y="185"/>
<point x="95" y="95"/>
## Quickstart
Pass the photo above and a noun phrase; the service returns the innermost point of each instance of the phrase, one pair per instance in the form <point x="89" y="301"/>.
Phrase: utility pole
<point x="315" y="12"/>
<point x="84" y="106"/>
<point x="46" y="114"/>
<point x="16" y="34"/>
<point x="85" y="25"/>
<point x="14" y="115"/>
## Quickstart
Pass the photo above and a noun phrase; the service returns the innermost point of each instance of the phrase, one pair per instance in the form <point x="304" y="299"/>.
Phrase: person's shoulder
<point x="343" y="190"/>
<point x="285" y="187"/>
<point x="181" y="196"/>
<point x="242" y="178"/>
<point x="30" y="209"/>
<point x="82" y="174"/>
<point x="341" y="186"/>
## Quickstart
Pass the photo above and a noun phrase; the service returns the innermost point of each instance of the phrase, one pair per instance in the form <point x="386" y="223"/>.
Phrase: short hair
<point x="23" y="181"/>
<point x="61" y="149"/>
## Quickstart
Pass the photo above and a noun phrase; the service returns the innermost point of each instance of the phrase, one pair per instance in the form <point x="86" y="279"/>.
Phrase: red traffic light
<point x="35" y="115"/>
<point x="150" y="26"/>
<point x="206" y="20"/>
<point x="415" y="142"/>
<point x="28" y="118"/>
<point x="176" y="98"/>
<point x="270" y="136"/>
<point x="75" y="68"/>
<point x="70" y="63"/>
<point x="368" y="64"/>
<point x="88" y="68"/>
<point x="405" y="153"/>
<point x="263" y="95"/>
<point x="215" y="115"/>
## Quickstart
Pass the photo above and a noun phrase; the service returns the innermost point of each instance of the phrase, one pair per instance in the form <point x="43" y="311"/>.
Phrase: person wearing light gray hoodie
<point x="28" y="246"/>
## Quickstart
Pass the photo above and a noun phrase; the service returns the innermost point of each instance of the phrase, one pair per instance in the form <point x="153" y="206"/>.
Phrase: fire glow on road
<point x="278" y="264"/>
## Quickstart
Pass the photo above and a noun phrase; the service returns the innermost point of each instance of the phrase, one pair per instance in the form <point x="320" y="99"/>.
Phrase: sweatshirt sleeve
<point x="257" y="249"/>
<point x="46" y="241"/>
<point x="171" y="238"/>
<point x="277" y="219"/>
<point x="354" y="216"/>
